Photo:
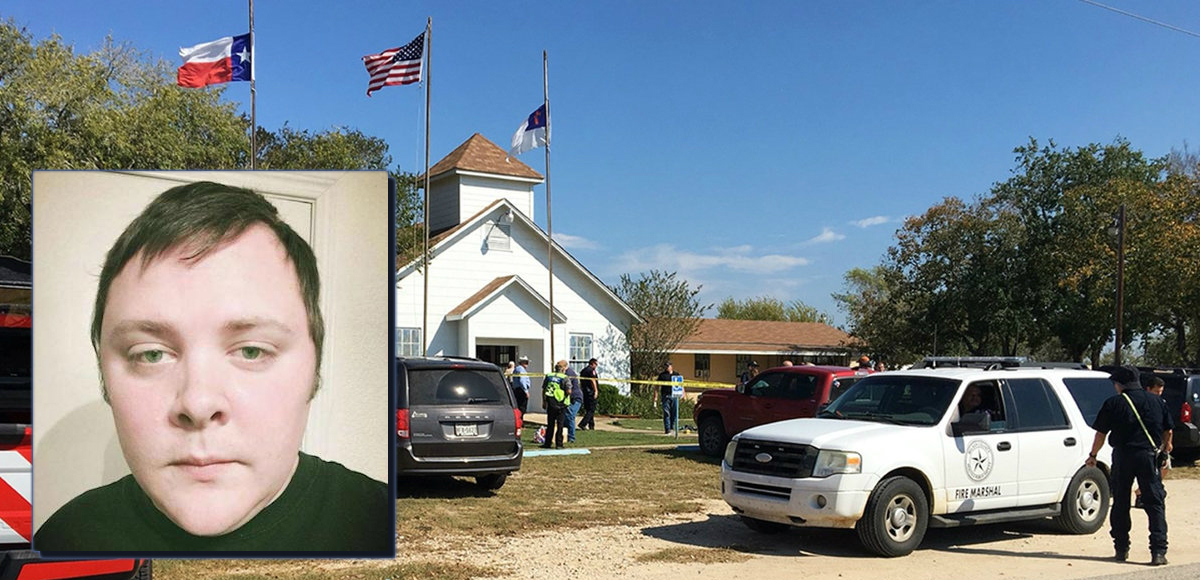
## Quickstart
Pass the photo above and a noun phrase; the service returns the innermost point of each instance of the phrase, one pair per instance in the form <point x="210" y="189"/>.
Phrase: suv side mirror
<point x="972" y="423"/>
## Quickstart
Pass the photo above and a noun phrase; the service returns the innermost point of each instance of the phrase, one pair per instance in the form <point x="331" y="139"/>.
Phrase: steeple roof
<point x="480" y="155"/>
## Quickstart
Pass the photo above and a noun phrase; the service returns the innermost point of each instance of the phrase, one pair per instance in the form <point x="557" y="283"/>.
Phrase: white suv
<point x="895" y="455"/>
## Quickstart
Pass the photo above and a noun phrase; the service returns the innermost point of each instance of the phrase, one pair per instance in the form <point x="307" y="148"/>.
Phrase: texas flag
<point x="220" y="61"/>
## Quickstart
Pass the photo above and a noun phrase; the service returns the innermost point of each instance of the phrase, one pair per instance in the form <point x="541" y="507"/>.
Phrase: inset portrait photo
<point x="211" y="360"/>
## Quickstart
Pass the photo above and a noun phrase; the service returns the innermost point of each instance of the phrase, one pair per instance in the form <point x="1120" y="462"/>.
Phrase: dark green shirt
<point x="325" y="508"/>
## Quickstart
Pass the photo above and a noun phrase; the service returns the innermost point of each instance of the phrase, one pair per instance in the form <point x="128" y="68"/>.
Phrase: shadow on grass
<point x="690" y="452"/>
<point x="439" y="487"/>
<point x="727" y="531"/>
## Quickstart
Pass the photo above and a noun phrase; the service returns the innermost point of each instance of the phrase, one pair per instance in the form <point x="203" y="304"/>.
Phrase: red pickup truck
<point x="17" y="561"/>
<point x="773" y="395"/>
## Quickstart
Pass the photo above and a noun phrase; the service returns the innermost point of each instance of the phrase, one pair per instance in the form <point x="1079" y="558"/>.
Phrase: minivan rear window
<point x="455" y="387"/>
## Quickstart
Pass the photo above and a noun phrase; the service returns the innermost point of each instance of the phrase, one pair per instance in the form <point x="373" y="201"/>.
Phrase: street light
<point x="1118" y="229"/>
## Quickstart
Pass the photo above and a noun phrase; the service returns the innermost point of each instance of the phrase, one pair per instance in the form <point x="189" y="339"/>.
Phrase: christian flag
<point x="220" y="61"/>
<point x="532" y="133"/>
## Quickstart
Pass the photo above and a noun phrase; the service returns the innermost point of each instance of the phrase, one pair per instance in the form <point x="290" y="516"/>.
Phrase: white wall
<point x="77" y="216"/>
<point x="462" y="268"/>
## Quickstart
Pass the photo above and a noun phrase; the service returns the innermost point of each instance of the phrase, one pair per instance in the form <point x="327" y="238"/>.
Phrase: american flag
<point x="395" y="66"/>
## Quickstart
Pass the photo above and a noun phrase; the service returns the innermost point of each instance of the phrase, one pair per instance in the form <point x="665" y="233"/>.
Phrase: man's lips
<point x="204" y="469"/>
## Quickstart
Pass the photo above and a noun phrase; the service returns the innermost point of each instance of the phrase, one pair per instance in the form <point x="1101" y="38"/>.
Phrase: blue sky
<point x="757" y="148"/>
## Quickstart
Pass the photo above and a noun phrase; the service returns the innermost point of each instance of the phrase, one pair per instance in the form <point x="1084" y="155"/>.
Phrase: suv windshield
<point x="900" y="399"/>
<point x="455" y="387"/>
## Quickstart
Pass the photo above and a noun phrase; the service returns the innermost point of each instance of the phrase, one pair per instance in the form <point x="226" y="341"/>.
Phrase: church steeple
<point x="473" y="176"/>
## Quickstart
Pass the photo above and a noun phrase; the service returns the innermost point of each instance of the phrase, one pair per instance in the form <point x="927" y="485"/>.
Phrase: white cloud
<point x="689" y="264"/>
<point x="872" y="221"/>
<point x="827" y="235"/>
<point x="575" y="242"/>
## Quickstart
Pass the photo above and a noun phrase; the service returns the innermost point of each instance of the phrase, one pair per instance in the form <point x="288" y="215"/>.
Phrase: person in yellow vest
<point x="556" y="396"/>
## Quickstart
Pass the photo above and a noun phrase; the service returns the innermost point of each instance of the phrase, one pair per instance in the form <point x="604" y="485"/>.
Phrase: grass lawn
<point x="654" y="425"/>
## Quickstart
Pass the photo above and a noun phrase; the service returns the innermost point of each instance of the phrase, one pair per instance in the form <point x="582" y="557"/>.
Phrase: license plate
<point x="466" y="430"/>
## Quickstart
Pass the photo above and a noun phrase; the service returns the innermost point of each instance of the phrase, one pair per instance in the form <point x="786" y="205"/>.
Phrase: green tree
<point x="670" y="312"/>
<point x="410" y="230"/>
<point x="879" y="315"/>
<point x="115" y="108"/>
<point x="1052" y="288"/>
<point x="109" y="109"/>
<point x="768" y="308"/>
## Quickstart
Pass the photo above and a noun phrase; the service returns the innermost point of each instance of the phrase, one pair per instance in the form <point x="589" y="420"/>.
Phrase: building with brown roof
<point x="720" y="349"/>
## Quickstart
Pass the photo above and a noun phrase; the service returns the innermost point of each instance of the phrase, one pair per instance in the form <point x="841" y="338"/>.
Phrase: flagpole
<point x="549" y="220"/>
<point x="425" y="302"/>
<point x="253" y="93"/>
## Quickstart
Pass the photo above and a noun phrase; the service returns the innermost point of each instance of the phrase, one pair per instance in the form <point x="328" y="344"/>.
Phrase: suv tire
<point x="712" y="436"/>
<point x="491" y="482"/>
<point x="895" y="519"/>
<point x="1085" y="505"/>
<point x="763" y="526"/>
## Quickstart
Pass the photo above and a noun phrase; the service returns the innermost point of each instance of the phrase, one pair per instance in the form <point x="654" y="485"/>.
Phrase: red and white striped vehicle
<point x="17" y="561"/>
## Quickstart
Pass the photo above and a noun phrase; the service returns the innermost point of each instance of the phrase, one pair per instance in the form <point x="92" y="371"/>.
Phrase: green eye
<point x="152" y="356"/>
<point x="251" y="352"/>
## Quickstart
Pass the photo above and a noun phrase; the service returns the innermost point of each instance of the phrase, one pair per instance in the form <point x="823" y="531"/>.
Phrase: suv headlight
<point x="832" y="462"/>
<point x="730" y="451"/>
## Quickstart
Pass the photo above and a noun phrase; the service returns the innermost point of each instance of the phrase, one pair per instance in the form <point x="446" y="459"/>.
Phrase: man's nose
<point x="201" y="400"/>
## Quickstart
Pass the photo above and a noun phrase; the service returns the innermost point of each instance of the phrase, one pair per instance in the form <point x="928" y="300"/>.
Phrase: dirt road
<point x="717" y="546"/>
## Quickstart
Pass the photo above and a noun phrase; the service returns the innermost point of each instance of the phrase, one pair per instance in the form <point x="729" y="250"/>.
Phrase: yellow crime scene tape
<point x="610" y="380"/>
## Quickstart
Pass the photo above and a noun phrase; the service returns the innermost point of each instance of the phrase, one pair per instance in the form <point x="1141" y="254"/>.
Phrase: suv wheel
<point x="491" y="482"/>
<point x="895" y="519"/>
<point x="712" y="436"/>
<point x="763" y="526"/>
<point x="1085" y="505"/>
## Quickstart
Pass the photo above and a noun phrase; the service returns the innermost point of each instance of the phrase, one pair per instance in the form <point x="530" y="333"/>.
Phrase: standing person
<point x="670" y="407"/>
<point x="591" y="392"/>
<point x="520" y="384"/>
<point x="751" y="372"/>
<point x="576" y="400"/>
<point x="1138" y="425"/>
<point x="555" y="398"/>
<point x="508" y="372"/>
<point x="1154" y="386"/>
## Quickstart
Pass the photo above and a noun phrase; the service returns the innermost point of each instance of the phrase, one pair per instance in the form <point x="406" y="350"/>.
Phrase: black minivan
<point x="456" y="416"/>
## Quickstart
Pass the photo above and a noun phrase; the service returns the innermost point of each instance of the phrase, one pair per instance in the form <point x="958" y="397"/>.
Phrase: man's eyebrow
<point x="255" y="322"/>
<point x="152" y="327"/>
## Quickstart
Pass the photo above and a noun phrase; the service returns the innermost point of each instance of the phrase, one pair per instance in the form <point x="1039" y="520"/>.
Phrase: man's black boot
<point x="1158" y="559"/>
<point x="1121" y="555"/>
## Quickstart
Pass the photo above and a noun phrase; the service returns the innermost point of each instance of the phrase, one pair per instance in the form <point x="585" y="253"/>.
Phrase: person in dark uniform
<point x="591" y="390"/>
<point x="670" y="406"/>
<point x="1133" y="457"/>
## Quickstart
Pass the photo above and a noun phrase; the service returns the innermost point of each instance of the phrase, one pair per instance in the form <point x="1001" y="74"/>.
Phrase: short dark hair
<point x="592" y="361"/>
<point x="200" y="217"/>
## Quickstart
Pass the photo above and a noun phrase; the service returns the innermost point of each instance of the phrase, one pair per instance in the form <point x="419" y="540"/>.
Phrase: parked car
<point x="1181" y="389"/>
<point x="456" y="416"/>
<point x="774" y="395"/>
<point x="16" y="453"/>
<point x="894" y="455"/>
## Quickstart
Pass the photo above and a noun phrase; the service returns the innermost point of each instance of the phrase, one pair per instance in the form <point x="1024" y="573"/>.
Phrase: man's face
<point x="209" y="367"/>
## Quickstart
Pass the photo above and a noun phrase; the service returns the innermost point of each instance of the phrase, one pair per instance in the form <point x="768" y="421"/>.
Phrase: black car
<point x="1181" y="389"/>
<point x="456" y="416"/>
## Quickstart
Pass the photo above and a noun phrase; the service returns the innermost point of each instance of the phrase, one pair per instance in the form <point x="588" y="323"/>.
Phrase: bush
<point x="612" y="402"/>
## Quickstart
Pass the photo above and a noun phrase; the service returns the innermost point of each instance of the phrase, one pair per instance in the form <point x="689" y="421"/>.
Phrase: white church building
<point x="489" y="281"/>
